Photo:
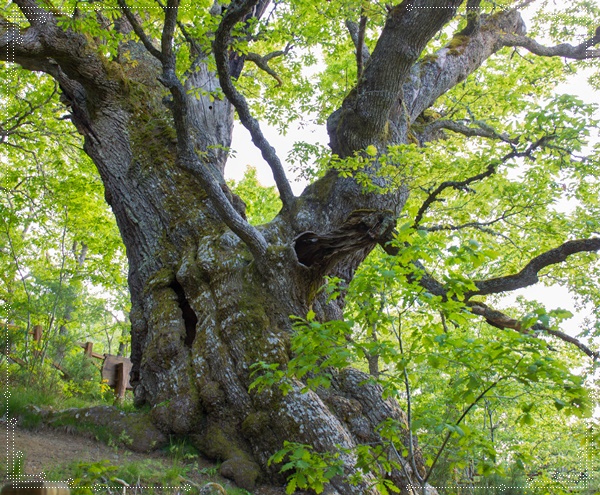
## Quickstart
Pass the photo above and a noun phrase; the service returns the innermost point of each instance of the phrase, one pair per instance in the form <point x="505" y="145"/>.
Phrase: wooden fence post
<point x="122" y="380"/>
<point x="37" y="333"/>
<point x="89" y="346"/>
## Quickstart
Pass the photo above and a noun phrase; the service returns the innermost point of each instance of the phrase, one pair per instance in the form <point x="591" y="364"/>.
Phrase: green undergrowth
<point x="169" y="475"/>
<point x="25" y="404"/>
<point x="177" y="468"/>
<point x="177" y="471"/>
<point x="27" y="401"/>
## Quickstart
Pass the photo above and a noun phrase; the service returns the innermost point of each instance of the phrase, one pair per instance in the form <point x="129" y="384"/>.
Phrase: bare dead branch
<point x="138" y="30"/>
<point x="577" y="52"/>
<point x="360" y="43"/>
<point x="234" y="14"/>
<point x="529" y="275"/>
<point x="262" y="62"/>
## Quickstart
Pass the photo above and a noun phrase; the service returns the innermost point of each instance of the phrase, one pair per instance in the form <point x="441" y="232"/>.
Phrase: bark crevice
<point x="190" y="320"/>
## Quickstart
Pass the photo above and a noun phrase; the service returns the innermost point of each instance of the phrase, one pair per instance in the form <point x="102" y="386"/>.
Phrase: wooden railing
<point x="114" y="370"/>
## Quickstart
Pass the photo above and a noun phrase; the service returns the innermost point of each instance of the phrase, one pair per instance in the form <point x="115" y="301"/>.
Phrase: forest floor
<point x="45" y="450"/>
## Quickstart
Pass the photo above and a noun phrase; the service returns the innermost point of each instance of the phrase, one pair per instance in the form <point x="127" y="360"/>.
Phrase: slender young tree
<point x="154" y="88"/>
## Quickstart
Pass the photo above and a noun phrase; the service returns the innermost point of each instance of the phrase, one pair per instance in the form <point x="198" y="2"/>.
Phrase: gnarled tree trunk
<point x="212" y="295"/>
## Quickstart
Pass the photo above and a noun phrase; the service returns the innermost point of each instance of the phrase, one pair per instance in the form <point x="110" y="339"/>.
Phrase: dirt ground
<point x="46" y="448"/>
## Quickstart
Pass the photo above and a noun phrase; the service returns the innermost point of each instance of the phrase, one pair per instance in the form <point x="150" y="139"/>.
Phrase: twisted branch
<point x="234" y="14"/>
<point x="138" y="30"/>
<point x="578" y="52"/>
<point x="529" y="274"/>
<point x="489" y="171"/>
<point x="262" y="61"/>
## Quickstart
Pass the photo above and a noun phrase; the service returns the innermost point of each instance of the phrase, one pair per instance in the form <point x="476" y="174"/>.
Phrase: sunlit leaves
<point x="262" y="203"/>
<point x="60" y="251"/>
<point x="311" y="469"/>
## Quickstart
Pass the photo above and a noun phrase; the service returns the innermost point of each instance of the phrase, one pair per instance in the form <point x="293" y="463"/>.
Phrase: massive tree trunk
<point x="212" y="295"/>
<point x="204" y="309"/>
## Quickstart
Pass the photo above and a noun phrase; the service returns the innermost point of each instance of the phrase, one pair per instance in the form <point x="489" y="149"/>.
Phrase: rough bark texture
<point x="205" y="304"/>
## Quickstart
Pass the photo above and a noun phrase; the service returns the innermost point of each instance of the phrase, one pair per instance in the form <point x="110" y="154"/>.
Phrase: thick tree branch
<point x="529" y="275"/>
<point x="34" y="13"/>
<point x="22" y="46"/>
<point x="65" y="55"/>
<point x="497" y="318"/>
<point x="195" y="47"/>
<point x="186" y="153"/>
<point x="578" y="52"/>
<point x="166" y="42"/>
<point x="435" y="75"/>
<point x="367" y="109"/>
<point x="33" y="50"/>
<point x="236" y="11"/>
<point x="9" y="33"/>
<point x="138" y="30"/>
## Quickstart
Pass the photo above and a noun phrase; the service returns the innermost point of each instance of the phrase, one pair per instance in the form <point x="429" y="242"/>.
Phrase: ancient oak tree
<point x="428" y="106"/>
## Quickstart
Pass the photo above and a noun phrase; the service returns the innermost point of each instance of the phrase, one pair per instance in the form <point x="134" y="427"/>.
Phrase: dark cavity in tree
<point x="189" y="316"/>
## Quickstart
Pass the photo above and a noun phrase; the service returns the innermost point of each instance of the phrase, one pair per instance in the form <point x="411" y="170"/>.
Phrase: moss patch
<point x="458" y="44"/>
<point x="238" y="465"/>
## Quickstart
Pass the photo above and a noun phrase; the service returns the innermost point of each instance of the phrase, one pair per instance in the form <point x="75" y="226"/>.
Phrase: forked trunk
<point x="204" y="310"/>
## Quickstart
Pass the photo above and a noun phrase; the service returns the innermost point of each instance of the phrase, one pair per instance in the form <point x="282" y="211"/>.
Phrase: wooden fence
<point x="114" y="370"/>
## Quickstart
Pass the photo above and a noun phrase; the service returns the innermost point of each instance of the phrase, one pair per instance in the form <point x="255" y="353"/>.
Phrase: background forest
<point x="503" y="408"/>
